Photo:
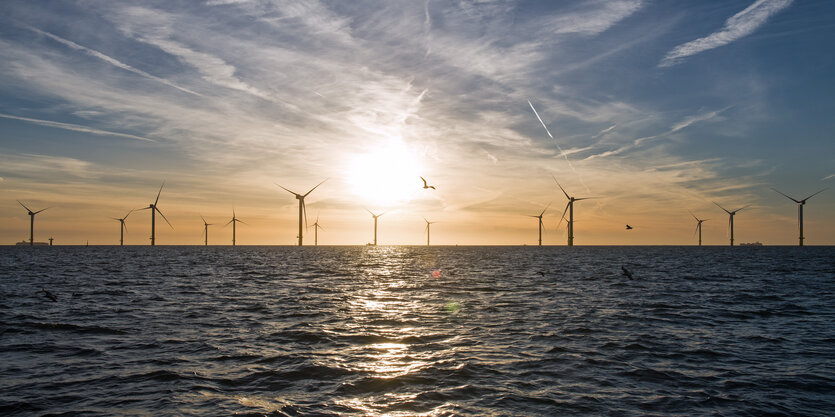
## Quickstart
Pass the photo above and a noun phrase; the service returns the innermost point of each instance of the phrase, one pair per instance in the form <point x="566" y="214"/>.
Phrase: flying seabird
<point x="425" y="185"/>
<point x="628" y="227"/>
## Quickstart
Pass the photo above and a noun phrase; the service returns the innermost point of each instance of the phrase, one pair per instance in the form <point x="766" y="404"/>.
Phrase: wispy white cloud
<point x="76" y="128"/>
<point x="109" y="60"/>
<point x="736" y="27"/>
<point x="593" y="17"/>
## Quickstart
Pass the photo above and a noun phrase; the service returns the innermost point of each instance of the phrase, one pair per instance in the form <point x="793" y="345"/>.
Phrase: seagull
<point x="49" y="295"/>
<point x="626" y="272"/>
<point x="427" y="186"/>
<point x="628" y="227"/>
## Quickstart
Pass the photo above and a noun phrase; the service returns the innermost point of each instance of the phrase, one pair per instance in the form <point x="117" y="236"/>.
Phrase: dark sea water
<point x="408" y="331"/>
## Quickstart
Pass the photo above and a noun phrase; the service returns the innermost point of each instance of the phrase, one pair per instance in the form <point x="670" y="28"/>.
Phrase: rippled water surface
<point x="469" y="331"/>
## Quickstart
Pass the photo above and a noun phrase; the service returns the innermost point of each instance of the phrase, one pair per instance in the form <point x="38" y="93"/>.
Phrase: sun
<point x="388" y="175"/>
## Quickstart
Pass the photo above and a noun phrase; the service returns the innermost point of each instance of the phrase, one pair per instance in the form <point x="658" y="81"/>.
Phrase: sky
<point x="656" y="109"/>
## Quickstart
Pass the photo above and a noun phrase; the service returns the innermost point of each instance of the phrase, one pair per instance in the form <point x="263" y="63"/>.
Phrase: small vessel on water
<point x="25" y="243"/>
<point x="751" y="244"/>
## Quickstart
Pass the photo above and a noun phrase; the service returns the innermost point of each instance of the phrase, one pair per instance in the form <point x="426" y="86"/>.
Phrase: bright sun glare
<point x="386" y="176"/>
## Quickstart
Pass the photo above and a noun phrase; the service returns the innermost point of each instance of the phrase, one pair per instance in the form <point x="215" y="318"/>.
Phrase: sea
<point x="417" y="331"/>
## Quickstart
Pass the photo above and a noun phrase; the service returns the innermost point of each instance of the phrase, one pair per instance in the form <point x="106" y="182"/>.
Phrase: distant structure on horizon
<point x="375" y="216"/>
<point x="32" y="223"/>
<point x="698" y="226"/>
<point x="233" y="221"/>
<point x="540" y="222"/>
<point x="570" y="209"/>
<point x="154" y="209"/>
<point x="427" y="229"/>
<point x="122" y="228"/>
<point x="731" y="215"/>
<point x="302" y="208"/>
<point x="800" y="204"/>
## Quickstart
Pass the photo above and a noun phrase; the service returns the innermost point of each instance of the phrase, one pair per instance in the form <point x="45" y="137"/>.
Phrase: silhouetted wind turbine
<point x="233" y="221"/>
<point x="302" y="209"/>
<point x="154" y="209"/>
<point x="698" y="226"/>
<point x="540" y="222"/>
<point x="206" y="231"/>
<point x="427" y="229"/>
<point x="316" y="228"/>
<point x="375" y="216"/>
<point x="122" y="228"/>
<point x="569" y="207"/>
<point x="731" y="215"/>
<point x="31" y="222"/>
<point x="800" y="204"/>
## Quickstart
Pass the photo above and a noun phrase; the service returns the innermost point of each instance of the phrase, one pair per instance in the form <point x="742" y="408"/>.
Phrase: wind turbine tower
<point x="569" y="207"/>
<point x="427" y="229"/>
<point x="154" y="209"/>
<point x="375" y="216"/>
<point x="800" y="204"/>
<point x="205" y="231"/>
<point x="122" y="228"/>
<point x="316" y="228"/>
<point x="699" y="226"/>
<point x="540" y="222"/>
<point x="233" y="221"/>
<point x="302" y="209"/>
<point x="731" y="215"/>
<point x="31" y="222"/>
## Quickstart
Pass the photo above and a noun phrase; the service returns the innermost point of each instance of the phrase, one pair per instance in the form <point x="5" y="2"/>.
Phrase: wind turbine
<point x="302" y="209"/>
<point x="316" y="228"/>
<point x="540" y="222"/>
<point x="31" y="222"/>
<point x="427" y="229"/>
<point x="154" y="209"/>
<point x="375" y="216"/>
<point x="698" y="226"/>
<point x="731" y="215"/>
<point x="569" y="207"/>
<point x="233" y="221"/>
<point x="800" y="204"/>
<point x="122" y="228"/>
<point x="206" y="231"/>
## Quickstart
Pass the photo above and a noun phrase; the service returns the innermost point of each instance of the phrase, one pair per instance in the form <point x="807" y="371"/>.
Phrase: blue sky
<point x="658" y="108"/>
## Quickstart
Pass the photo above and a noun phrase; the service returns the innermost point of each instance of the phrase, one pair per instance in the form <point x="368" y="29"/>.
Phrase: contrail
<point x="564" y="155"/>
<point x="73" y="127"/>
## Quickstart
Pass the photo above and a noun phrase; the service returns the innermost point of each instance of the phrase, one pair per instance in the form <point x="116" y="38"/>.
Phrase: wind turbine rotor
<point x="163" y="217"/>
<point x="160" y="192"/>
<point x="317" y="185"/>
<point x="804" y="200"/>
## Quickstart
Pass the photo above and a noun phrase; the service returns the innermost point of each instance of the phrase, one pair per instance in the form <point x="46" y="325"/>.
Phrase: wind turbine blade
<point x="695" y="230"/>
<point x="160" y="192"/>
<point x="784" y="195"/>
<point x="163" y="217"/>
<point x="369" y="212"/>
<point x="24" y="206"/>
<point x="586" y="198"/>
<point x="115" y="219"/>
<point x="694" y="216"/>
<point x="543" y="211"/>
<point x="563" y="189"/>
<point x="241" y="221"/>
<point x="563" y="215"/>
<point x="381" y="214"/>
<point x="317" y="185"/>
<point x="230" y="221"/>
<point x="815" y="194"/>
<point x="41" y="210"/>
<point x="125" y="226"/>
<point x="126" y="215"/>
<point x="717" y="205"/>
<point x="743" y="207"/>
<point x="286" y="189"/>
<point x="204" y="221"/>
<point x="304" y="210"/>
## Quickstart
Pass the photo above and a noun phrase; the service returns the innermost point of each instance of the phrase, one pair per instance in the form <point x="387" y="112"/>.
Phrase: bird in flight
<point x="628" y="227"/>
<point x="425" y="185"/>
